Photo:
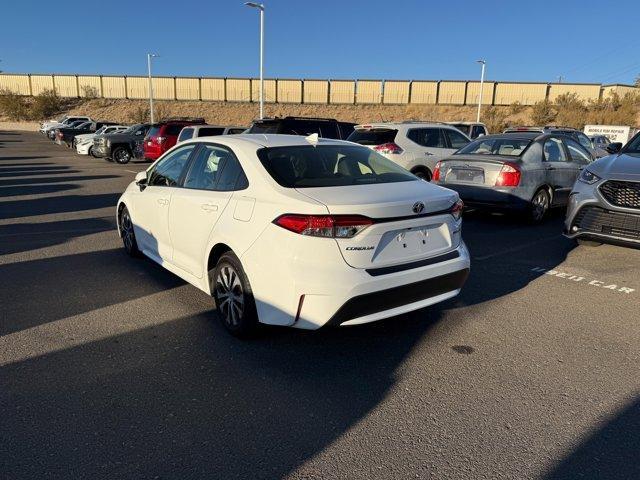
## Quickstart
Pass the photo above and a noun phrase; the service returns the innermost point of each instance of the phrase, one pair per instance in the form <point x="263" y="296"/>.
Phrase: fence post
<point x="126" y="88"/>
<point x="276" y="83"/>
<point x="101" y="88"/>
<point x="466" y="93"/>
<point x="175" y="89"/>
<point x="200" y="88"/>
<point x="437" y="93"/>
<point x="547" y="92"/>
<point x="302" y="91"/>
<point x="329" y="92"/>
<point x="77" y="87"/>
<point x="53" y="84"/>
<point x="493" y="97"/>
<point x="224" y="83"/>
<point x="410" y="93"/>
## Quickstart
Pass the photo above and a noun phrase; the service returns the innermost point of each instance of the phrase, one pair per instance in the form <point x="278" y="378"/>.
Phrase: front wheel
<point x="122" y="155"/>
<point x="539" y="206"/>
<point x="233" y="296"/>
<point x="422" y="174"/>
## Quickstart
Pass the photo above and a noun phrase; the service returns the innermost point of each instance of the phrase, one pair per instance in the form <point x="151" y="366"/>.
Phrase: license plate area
<point x="406" y="244"/>
<point x="465" y="175"/>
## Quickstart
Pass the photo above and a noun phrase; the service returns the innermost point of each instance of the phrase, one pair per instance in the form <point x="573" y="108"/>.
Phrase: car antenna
<point x="312" y="139"/>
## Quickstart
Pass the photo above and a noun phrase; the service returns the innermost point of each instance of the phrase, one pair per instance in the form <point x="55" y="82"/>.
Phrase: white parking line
<point x="585" y="281"/>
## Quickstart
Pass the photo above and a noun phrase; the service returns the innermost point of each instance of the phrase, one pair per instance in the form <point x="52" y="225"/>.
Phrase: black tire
<point x="128" y="234"/>
<point x="422" y="173"/>
<point x="91" y="152"/>
<point x="121" y="155"/>
<point x="588" y="243"/>
<point x="231" y="291"/>
<point x="540" y="204"/>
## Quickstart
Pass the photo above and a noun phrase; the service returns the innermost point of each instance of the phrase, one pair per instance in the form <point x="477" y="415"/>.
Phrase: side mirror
<point x="614" y="147"/>
<point x="141" y="179"/>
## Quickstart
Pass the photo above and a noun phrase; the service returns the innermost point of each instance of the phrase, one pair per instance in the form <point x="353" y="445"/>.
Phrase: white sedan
<point x="296" y="231"/>
<point x="84" y="143"/>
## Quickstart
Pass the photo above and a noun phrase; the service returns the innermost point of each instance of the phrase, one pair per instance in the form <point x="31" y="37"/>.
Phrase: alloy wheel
<point x="540" y="205"/>
<point x="122" y="156"/>
<point x="229" y="295"/>
<point x="126" y="230"/>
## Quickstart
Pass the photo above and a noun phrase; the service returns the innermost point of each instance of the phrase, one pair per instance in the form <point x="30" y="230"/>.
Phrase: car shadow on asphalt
<point x="36" y="189"/>
<point x="34" y="171"/>
<point x="58" y="204"/>
<point x="13" y="182"/>
<point x="611" y="452"/>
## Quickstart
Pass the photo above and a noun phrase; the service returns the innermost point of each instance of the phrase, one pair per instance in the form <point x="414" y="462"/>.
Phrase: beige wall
<point x="369" y="91"/>
<point x="396" y="92"/>
<point x="289" y="91"/>
<point x="424" y="92"/>
<point x="307" y="91"/>
<point x="584" y="92"/>
<point x="473" y="93"/>
<point x="451" y="93"/>
<point x="524" y="93"/>
<point x="342" y="91"/>
<point x="316" y="91"/>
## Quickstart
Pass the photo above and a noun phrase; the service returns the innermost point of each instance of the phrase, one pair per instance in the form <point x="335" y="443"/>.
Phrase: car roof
<point x="397" y="125"/>
<point x="464" y="123"/>
<point x="521" y="135"/>
<point x="265" y="140"/>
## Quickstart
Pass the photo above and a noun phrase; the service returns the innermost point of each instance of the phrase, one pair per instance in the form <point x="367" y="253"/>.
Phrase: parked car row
<point x="122" y="143"/>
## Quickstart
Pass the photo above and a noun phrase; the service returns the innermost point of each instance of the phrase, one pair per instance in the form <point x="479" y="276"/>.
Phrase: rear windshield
<point x="209" y="132"/>
<point x="372" y="137"/>
<point x="265" y="127"/>
<point x="329" y="166"/>
<point x="496" y="146"/>
<point x="153" y="132"/>
<point x="173" y="129"/>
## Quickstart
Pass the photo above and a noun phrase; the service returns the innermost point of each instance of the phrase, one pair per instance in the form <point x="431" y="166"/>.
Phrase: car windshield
<point x="304" y="166"/>
<point x="495" y="146"/>
<point x="634" y="145"/>
<point x="84" y="125"/>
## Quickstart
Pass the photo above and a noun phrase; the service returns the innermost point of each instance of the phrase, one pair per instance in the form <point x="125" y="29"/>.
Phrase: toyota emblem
<point x="418" y="207"/>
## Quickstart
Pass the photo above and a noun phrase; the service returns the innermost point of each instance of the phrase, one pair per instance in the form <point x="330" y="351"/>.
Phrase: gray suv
<point x="604" y="205"/>
<point x="416" y="146"/>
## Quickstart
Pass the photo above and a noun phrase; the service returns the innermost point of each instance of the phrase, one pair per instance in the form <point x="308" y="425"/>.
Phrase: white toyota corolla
<point x="296" y="231"/>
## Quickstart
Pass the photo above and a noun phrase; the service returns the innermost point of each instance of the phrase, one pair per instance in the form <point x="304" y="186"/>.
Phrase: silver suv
<point x="416" y="146"/>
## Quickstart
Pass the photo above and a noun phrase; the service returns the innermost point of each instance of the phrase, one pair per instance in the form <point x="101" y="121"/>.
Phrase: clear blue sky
<point x="584" y="41"/>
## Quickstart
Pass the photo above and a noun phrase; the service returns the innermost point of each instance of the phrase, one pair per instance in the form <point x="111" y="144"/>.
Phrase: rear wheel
<point x="232" y="293"/>
<point x="122" y="155"/>
<point x="127" y="233"/>
<point x="422" y="173"/>
<point x="539" y="205"/>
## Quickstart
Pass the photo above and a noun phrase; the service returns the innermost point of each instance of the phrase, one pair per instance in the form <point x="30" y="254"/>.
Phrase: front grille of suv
<point x="617" y="224"/>
<point x="621" y="194"/>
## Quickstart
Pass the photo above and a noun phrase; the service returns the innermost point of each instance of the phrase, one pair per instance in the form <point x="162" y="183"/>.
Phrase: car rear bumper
<point x="504" y="198"/>
<point x="316" y="287"/>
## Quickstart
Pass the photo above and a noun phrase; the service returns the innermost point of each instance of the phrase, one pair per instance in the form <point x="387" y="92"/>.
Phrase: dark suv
<point x="324" y="127"/>
<point x="119" y="146"/>
<point x="164" y="135"/>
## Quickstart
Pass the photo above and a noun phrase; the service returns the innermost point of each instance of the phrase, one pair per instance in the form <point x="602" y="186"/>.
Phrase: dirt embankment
<point x="242" y="114"/>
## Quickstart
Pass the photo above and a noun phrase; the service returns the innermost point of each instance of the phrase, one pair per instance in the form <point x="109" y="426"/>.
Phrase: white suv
<point x="416" y="146"/>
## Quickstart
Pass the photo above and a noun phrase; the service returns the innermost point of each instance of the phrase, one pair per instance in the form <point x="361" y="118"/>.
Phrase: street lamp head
<point x="481" y="61"/>
<point x="259" y="6"/>
<point x="153" y="54"/>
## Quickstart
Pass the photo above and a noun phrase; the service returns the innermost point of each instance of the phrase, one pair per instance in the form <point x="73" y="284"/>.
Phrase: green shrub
<point x="495" y="119"/>
<point x="543" y="113"/>
<point x="45" y="105"/>
<point x="13" y="105"/>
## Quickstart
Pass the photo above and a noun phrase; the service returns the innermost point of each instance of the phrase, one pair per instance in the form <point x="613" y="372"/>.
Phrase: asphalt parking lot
<point x="115" y="368"/>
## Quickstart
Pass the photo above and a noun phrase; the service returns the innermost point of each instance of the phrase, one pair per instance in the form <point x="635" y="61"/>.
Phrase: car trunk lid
<point x="411" y="221"/>
<point x="479" y="170"/>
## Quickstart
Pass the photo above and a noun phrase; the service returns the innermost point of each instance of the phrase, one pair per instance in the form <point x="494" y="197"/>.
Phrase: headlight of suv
<point x="588" y="177"/>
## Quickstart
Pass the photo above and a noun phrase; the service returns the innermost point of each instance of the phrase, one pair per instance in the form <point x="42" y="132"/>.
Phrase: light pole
<point x="481" y="87"/>
<point x="149" y="55"/>
<point x="260" y="7"/>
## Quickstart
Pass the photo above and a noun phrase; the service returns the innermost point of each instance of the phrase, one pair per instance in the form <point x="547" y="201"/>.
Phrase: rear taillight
<point x="457" y="208"/>
<point x="388" y="148"/>
<point x="509" y="175"/>
<point x="329" y="226"/>
<point x="436" y="172"/>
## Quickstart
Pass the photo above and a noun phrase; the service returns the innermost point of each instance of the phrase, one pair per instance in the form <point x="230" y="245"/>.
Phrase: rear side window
<point x="584" y="141"/>
<point x="210" y="132"/>
<point x="463" y="128"/>
<point x="172" y="129"/>
<point x="553" y="151"/>
<point x="456" y="139"/>
<point x="345" y="129"/>
<point x="477" y="130"/>
<point x="577" y="153"/>
<point x="185" y="134"/>
<point x="329" y="166"/>
<point x="373" y="137"/>
<point x="301" y="127"/>
<point x="215" y="168"/>
<point x="428" y="137"/>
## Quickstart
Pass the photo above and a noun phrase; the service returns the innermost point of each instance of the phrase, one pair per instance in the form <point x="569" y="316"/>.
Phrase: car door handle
<point x="163" y="201"/>
<point x="551" y="168"/>
<point x="209" y="207"/>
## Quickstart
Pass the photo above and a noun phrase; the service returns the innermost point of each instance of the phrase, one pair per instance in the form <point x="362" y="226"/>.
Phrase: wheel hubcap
<point x="539" y="205"/>
<point x="123" y="155"/>
<point x="126" y="229"/>
<point x="229" y="295"/>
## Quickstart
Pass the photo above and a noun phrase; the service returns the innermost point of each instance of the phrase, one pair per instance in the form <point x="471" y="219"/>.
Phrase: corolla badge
<point x="418" y="207"/>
